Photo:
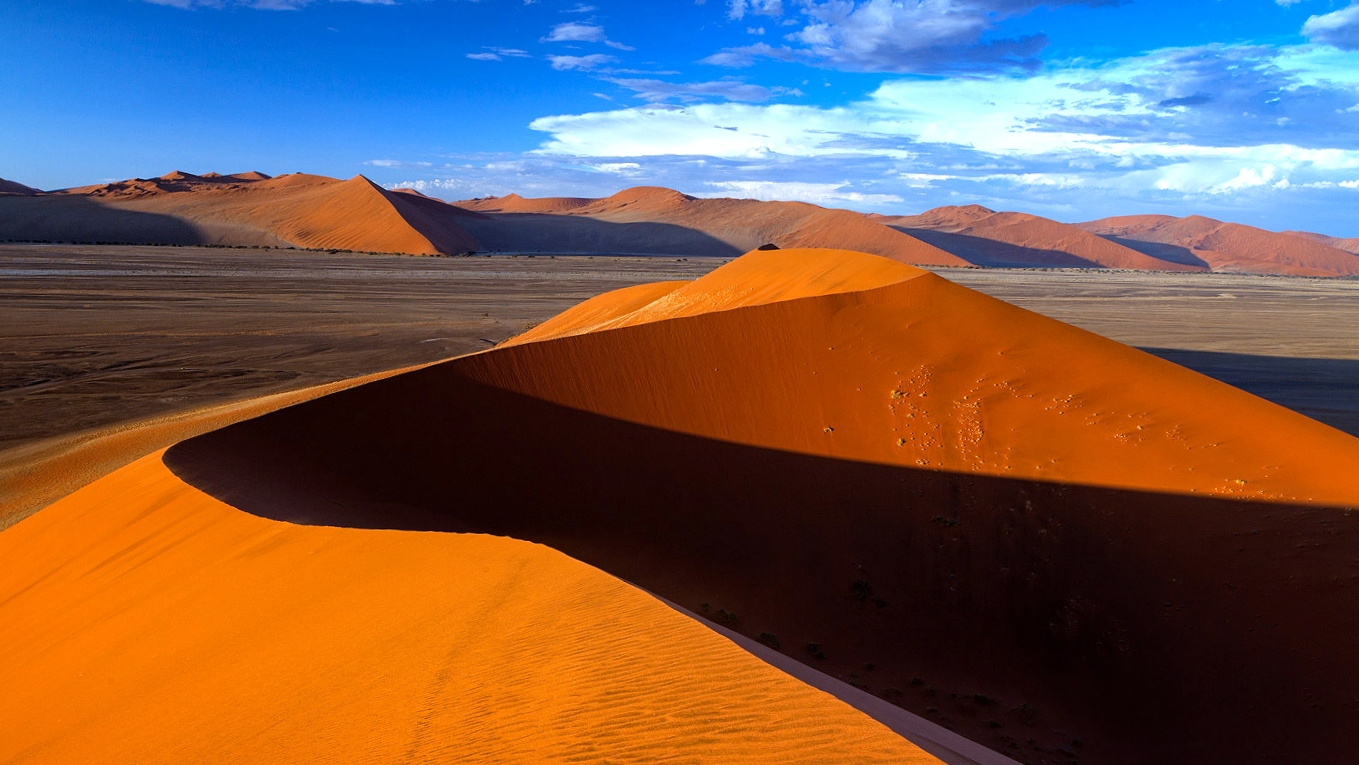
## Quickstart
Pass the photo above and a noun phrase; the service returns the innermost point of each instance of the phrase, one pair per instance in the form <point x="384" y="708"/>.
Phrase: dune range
<point x="246" y="209"/>
<point x="1060" y="546"/>
<point x="315" y="212"/>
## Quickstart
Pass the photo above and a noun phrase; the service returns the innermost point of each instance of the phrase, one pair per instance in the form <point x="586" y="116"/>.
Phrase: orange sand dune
<point x="296" y="210"/>
<point x="1348" y="245"/>
<point x="1225" y="246"/>
<point x="658" y="220"/>
<point x="1058" y="545"/>
<point x="513" y="203"/>
<point x="11" y="187"/>
<point x="988" y="238"/>
<point x="143" y="621"/>
<point x="1028" y="532"/>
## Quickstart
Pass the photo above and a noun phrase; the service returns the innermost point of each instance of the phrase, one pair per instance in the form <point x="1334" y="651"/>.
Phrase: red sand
<point x="649" y="218"/>
<point x="296" y="210"/>
<point x="143" y="621"/>
<point x="1028" y="532"/>
<point x="988" y="238"/>
<point x="1348" y="245"/>
<point x="840" y="450"/>
<point x="1226" y="246"/>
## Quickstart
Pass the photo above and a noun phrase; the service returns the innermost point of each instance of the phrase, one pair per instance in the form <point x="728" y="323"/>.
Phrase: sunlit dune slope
<point x="1006" y="524"/>
<point x="1031" y="397"/>
<point x="143" y="621"/>
<point x="658" y="220"/>
<point x="513" y="203"/>
<point x="988" y="238"/>
<point x="1348" y="245"/>
<point x="295" y="210"/>
<point x="1226" y="246"/>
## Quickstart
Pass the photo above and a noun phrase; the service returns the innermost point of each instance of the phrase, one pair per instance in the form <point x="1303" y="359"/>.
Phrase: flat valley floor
<point x="95" y="338"/>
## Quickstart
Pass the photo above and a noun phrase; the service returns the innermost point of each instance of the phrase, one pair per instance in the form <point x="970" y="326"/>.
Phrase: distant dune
<point x="656" y="220"/>
<point x="251" y="209"/>
<point x="1007" y="239"/>
<point x="10" y="187"/>
<point x="311" y="211"/>
<point x="1348" y="245"/>
<point x="1227" y="247"/>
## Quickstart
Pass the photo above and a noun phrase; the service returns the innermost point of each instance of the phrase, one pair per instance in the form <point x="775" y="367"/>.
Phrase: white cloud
<point x="737" y="9"/>
<point x="264" y="5"/>
<point x="617" y="168"/>
<point x="592" y="61"/>
<point x="1339" y="28"/>
<point x="732" y="90"/>
<point x="798" y="191"/>
<point x="1248" y="178"/>
<point x="896" y="36"/>
<point x="575" y="31"/>
<point x="396" y="163"/>
<point x="1168" y="122"/>
<point x="483" y="57"/>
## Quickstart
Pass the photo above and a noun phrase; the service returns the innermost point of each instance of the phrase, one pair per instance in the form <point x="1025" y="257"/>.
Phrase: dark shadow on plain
<point x="1327" y="390"/>
<point x="990" y="253"/>
<point x="1171" y="252"/>
<point x="1026" y="615"/>
<point x="80" y="220"/>
<point x="541" y="232"/>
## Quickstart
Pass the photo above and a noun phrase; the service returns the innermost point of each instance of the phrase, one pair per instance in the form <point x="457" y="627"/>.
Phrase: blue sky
<point x="1246" y="110"/>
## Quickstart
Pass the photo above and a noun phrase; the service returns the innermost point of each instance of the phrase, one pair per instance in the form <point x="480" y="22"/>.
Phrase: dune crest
<point x="249" y="640"/>
<point x="249" y="209"/>
<point x="1007" y="239"/>
<point x="652" y="219"/>
<point x="1229" y="247"/>
<point x="867" y="465"/>
<point x="1348" y="245"/>
<point x="18" y="189"/>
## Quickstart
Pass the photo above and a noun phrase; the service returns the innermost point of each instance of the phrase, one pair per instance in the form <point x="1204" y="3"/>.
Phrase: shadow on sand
<point x="80" y="220"/>
<point x="1151" y="628"/>
<point x="534" y="232"/>
<point x="1326" y="390"/>
<point x="990" y="253"/>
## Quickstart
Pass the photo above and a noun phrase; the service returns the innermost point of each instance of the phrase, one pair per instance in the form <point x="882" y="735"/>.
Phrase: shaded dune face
<point x="980" y="514"/>
<point x="650" y="219"/>
<point x="1229" y="247"/>
<point x="1007" y="239"/>
<point x="246" y="209"/>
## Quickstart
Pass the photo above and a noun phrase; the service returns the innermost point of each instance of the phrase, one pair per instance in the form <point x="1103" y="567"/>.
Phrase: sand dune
<point x="650" y="219"/>
<point x="311" y="211"/>
<point x="1008" y="239"/>
<point x="1225" y="246"/>
<point x="1058" y="545"/>
<point x="296" y="210"/>
<point x="144" y="621"/>
<point x="995" y="520"/>
<point x="1348" y="245"/>
<point x="11" y="187"/>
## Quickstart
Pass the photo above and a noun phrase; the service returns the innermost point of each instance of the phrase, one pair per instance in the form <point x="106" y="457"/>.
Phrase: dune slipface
<point x="650" y="219"/>
<point x="245" y="209"/>
<point x="989" y="238"/>
<point x="1063" y="547"/>
<point x="1229" y="247"/>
